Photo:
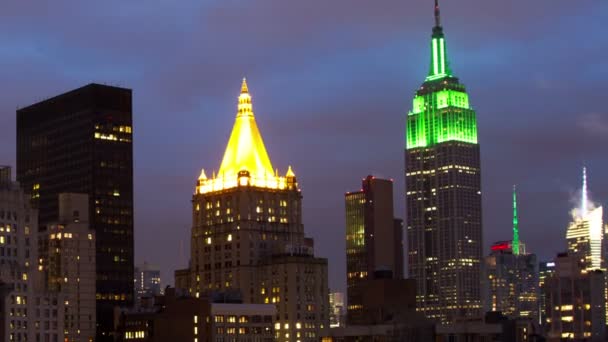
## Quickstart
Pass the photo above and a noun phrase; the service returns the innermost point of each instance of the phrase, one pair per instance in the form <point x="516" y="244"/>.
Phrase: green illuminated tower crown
<point x="515" y="241"/>
<point x="441" y="110"/>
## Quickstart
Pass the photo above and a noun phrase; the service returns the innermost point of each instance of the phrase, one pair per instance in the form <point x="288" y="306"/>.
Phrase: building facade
<point x="511" y="277"/>
<point x="585" y="234"/>
<point x="27" y="311"/>
<point x="443" y="192"/>
<point x="172" y="317"/>
<point x="373" y="238"/>
<point x="247" y="235"/>
<point x="337" y="309"/>
<point x="511" y="283"/>
<point x="545" y="270"/>
<point x="67" y="257"/>
<point x="147" y="281"/>
<point x="575" y="304"/>
<point x="81" y="142"/>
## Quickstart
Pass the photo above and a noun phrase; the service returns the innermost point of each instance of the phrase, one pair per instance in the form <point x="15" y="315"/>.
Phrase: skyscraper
<point x="443" y="192"/>
<point x="337" y="310"/>
<point x="511" y="281"/>
<point x="67" y="256"/>
<point x="585" y="233"/>
<point x="373" y="238"/>
<point x="147" y="281"/>
<point x="575" y="304"/>
<point x="545" y="270"/>
<point x="248" y="236"/>
<point x="81" y="142"/>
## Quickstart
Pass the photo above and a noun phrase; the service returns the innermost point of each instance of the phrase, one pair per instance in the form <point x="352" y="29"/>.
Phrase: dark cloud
<point x="332" y="82"/>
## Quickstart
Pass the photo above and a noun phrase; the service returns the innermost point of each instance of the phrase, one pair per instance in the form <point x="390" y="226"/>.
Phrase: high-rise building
<point x="81" y="142"/>
<point x="443" y="192"/>
<point x="373" y="238"/>
<point x="147" y="281"/>
<point x="337" y="309"/>
<point x="586" y="232"/>
<point x="67" y="256"/>
<point x="545" y="271"/>
<point x="575" y="304"/>
<point x="511" y="281"/>
<point x="27" y="311"/>
<point x="247" y="235"/>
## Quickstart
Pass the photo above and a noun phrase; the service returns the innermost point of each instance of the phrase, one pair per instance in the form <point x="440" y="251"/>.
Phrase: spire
<point x="203" y="176"/>
<point x="440" y="67"/>
<point x="584" y="197"/>
<point x="244" y="88"/>
<point x="437" y="14"/>
<point x="245" y="150"/>
<point x="515" y="241"/>
<point x="290" y="172"/>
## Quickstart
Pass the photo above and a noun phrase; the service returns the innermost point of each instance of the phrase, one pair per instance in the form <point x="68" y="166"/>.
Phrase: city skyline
<point x="168" y="153"/>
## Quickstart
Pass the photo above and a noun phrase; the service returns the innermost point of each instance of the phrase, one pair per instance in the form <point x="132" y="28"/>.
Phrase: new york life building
<point x="248" y="236"/>
<point x="443" y="193"/>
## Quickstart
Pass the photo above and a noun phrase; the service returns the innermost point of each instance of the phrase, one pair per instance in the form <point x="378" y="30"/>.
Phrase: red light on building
<point x="501" y="246"/>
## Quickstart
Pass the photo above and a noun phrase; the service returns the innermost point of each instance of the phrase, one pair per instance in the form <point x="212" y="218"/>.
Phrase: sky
<point x="332" y="81"/>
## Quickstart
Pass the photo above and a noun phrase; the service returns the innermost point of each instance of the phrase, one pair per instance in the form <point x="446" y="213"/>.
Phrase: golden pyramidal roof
<point x="245" y="152"/>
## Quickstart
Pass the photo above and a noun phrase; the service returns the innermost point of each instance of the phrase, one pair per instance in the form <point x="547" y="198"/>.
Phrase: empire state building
<point x="443" y="192"/>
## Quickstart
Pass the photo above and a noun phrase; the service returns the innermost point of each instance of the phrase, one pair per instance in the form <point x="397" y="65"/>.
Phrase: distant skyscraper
<point x="443" y="192"/>
<point x="337" y="309"/>
<point x="81" y="142"/>
<point x="586" y="232"/>
<point x="147" y="281"/>
<point x="373" y="238"/>
<point x="511" y="276"/>
<point x="545" y="270"/>
<point x="247" y="235"/>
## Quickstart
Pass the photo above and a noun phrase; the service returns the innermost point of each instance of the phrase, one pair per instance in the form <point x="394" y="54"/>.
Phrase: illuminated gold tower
<point x="248" y="236"/>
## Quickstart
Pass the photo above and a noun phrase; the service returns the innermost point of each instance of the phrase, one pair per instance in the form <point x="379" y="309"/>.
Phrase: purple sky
<point x="331" y="82"/>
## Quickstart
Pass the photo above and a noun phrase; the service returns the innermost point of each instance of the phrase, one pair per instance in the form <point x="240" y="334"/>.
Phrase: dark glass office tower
<point x="443" y="192"/>
<point x="81" y="142"/>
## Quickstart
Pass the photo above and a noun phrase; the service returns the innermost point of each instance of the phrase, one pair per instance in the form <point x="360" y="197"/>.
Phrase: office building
<point x="81" y="142"/>
<point x="67" y="257"/>
<point x="545" y="270"/>
<point x="247" y="235"/>
<point x="205" y="319"/>
<point x="585" y="233"/>
<point x="388" y="313"/>
<point x="443" y="192"/>
<point x="373" y="238"/>
<point x="147" y="281"/>
<point x="575" y="304"/>
<point x="511" y="281"/>
<point x="27" y="311"/>
<point x="337" y="309"/>
<point x="495" y="327"/>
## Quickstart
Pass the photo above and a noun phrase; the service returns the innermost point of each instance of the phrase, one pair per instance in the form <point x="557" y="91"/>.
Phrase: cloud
<point x="594" y="124"/>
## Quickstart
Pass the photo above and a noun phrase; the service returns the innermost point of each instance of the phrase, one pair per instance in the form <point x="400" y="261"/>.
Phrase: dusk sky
<point x="332" y="81"/>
